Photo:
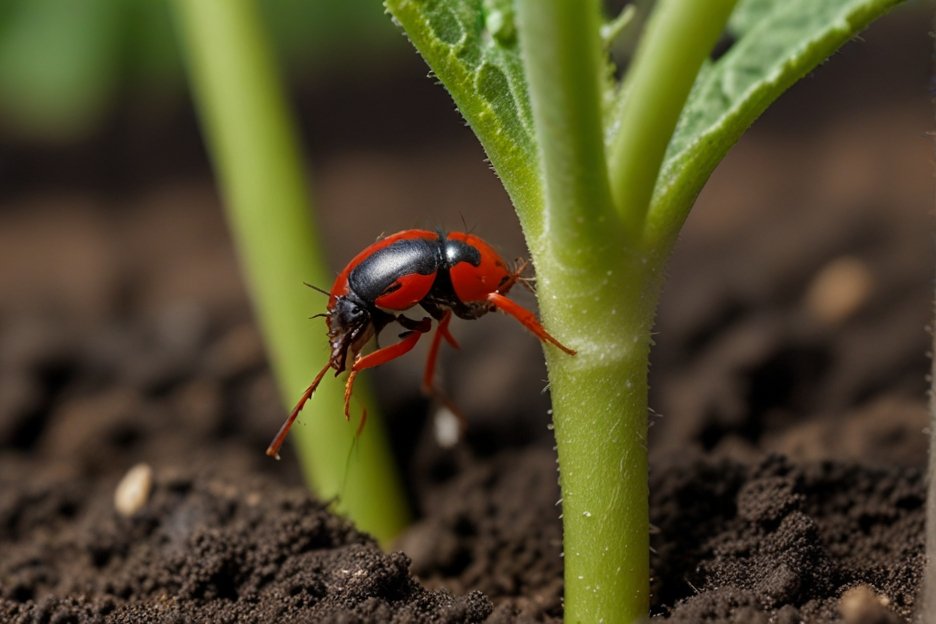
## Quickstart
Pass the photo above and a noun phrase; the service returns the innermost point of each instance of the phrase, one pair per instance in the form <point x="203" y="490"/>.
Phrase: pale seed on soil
<point x="133" y="490"/>
<point x="861" y="605"/>
<point x="840" y="288"/>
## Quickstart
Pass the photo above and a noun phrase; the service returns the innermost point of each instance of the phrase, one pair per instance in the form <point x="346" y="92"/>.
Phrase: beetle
<point x="443" y="273"/>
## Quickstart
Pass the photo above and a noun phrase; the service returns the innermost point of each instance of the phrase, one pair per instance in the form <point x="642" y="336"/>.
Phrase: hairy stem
<point x="251" y="137"/>
<point x="600" y="415"/>
<point x="679" y="37"/>
<point x="561" y="51"/>
<point x="600" y="395"/>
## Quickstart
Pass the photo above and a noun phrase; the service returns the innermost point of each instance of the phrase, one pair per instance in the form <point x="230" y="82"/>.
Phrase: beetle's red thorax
<point x="472" y="284"/>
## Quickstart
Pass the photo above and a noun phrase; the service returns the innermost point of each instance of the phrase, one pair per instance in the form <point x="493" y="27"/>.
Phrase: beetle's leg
<point x="378" y="357"/>
<point x="441" y="332"/>
<point x="515" y="275"/>
<point x="360" y="427"/>
<point x="386" y="354"/>
<point x="449" y="338"/>
<point x="527" y="318"/>
<point x="428" y="386"/>
<point x="520" y="265"/>
<point x="273" y="449"/>
<point x="422" y="326"/>
<point x="527" y="282"/>
<point x="349" y="386"/>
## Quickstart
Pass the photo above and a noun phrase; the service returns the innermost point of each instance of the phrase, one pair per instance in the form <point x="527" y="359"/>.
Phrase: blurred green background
<point x="65" y="65"/>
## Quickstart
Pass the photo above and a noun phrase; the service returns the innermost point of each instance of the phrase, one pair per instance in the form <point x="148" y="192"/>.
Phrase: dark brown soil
<point x="789" y="383"/>
<point x="203" y="548"/>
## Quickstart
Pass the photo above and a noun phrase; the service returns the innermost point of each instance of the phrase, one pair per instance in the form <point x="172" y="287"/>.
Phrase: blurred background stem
<point x="251" y="137"/>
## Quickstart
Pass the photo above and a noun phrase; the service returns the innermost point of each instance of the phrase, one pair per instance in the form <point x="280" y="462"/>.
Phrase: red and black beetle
<point x="455" y="273"/>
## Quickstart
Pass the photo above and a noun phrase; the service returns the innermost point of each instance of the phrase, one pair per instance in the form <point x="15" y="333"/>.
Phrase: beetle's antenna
<point x="320" y="314"/>
<point x="317" y="289"/>
<point x="273" y="449"/>
<point x="466" y="228"/>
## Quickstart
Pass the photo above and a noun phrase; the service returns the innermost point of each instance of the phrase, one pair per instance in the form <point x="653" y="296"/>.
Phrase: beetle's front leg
<point x="378" y="357"/>
<point x="527" y="318"/>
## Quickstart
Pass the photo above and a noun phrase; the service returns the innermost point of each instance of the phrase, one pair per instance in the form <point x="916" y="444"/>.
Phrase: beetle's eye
<point x="357" y="311"/>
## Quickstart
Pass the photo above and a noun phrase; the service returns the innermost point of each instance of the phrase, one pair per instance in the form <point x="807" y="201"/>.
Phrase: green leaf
<point x="471" y="46"/>
<point x="778" y="43"/>
<point x="749" y="12"/>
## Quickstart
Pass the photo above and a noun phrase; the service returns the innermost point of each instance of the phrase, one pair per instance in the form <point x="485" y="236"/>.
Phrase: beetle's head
<point x="349" y="327"/>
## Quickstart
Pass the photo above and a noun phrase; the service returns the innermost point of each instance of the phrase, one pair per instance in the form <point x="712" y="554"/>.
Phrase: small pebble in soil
<point x="862" y="605"/>
<point x="839" y="289"/>
<point x="447" y="428"/>
<point x="133" y="490"/>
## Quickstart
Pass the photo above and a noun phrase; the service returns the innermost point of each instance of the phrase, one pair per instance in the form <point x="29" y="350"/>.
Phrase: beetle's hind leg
<point x="441" y="332"/>
<point x="428" y="385"/>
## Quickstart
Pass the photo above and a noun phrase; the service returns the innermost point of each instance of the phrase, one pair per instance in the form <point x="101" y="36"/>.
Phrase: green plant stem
<point x="600" y="395"/>
<point x="679" y="37"/>
<point x="251" y="138"/>
<point x="600" y="416"/>
<point x="561" y="50"/>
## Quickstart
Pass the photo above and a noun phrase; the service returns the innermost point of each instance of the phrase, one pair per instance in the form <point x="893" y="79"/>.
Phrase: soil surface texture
<point x="788" y="380"/>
